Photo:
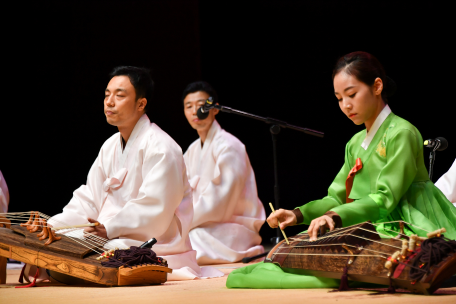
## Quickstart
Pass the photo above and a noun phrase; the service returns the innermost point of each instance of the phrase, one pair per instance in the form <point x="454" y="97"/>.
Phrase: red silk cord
<point x="351" y="176"/>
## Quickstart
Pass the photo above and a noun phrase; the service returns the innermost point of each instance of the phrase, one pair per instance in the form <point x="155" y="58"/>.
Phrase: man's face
<point x="192" y="103"/>
<point x="120" y="105"/>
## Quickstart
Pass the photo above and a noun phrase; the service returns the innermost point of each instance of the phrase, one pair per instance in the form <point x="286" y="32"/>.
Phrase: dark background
<point x="271" y="58"/>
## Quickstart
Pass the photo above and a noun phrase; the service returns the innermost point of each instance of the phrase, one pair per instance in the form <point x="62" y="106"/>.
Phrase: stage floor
<point x="203" y="291"/>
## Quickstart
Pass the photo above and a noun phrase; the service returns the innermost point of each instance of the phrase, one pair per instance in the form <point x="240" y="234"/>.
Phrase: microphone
<point x="203" y="111"/>
<point x="438" y="144"/>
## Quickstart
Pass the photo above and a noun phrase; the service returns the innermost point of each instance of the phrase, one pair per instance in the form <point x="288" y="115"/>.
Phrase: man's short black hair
<point x="140" y="79"/>
<point x="202" y="86"/>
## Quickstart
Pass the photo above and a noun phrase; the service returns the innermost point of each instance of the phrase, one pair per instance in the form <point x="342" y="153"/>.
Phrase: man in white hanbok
<point x="227" y="211"/>
<point x="4" y="201"/>
<point x="4" y="195"/>
<point x="137" y="187"/>
<point x="447" y="184"/>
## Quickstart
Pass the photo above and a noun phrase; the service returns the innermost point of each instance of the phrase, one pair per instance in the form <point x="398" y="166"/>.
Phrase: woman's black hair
<point x="202" y="86"/>
<point x="366" y="68"/>
<point x="140" y="79"/>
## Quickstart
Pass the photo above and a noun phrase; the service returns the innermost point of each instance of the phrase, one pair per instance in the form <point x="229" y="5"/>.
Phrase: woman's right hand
<point x="285" y="217"/>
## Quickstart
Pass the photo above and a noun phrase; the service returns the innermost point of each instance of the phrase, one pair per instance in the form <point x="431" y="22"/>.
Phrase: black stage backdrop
<point x="271" y="58"/>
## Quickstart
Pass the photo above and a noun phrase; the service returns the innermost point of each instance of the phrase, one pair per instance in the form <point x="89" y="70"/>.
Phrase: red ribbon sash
<point x="351" y="176"/>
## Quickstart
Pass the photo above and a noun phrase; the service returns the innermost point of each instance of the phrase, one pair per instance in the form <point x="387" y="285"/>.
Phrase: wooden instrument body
<point x="327" y="260"/>
<point x="68" y="257"/>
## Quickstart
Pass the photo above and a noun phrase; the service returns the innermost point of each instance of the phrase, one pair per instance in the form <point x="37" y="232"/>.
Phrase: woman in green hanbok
<point x="383" y="178"/>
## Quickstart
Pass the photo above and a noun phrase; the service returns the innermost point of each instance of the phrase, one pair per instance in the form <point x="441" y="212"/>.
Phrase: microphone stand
<point x="276" y="126"/>
<point x="432" y="159"/>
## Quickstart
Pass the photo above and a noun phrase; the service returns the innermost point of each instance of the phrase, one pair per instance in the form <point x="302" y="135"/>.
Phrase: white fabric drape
<point x="4" y="195"/>
<point x="227" y="211"/>
<point x="447" y="184"/>
<point x="140" y="193"/>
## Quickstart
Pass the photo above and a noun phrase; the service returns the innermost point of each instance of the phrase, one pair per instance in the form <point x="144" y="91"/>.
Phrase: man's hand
<point x="285" y="217"/>
<point x="315" y="225"/>
<point x="99" y="230"/>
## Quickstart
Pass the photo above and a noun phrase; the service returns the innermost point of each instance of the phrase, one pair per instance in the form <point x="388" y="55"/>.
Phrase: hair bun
<point x="390" y="87"/>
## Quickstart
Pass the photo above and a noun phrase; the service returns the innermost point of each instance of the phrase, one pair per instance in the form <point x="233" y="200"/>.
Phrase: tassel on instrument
<point x="21" y="276"/>
<point x="344" y="280"/>
<point x="391" y="288"/>
<point x="33" y="284"/>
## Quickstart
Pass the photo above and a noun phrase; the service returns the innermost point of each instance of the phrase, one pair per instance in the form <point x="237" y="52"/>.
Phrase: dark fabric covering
<point x="132" y="257"/>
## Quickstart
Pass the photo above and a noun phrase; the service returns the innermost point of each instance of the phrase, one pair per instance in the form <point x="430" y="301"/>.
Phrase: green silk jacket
<point x="393" y="185"/>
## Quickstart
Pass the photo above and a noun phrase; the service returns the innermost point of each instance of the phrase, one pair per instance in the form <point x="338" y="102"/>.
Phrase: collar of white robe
<point x="375" y="126"/>
<point x="115" y="181"/>
<point x="144" y="120"/>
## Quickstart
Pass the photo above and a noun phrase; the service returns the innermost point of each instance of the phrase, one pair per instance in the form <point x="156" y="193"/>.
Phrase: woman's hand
<point x="99" y="230"/>
<point x="315" y="225"/>
<point x="285" y="217"/>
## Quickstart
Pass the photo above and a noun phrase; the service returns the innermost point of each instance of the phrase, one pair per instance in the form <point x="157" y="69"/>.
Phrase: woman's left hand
<point x="315" y="225"/>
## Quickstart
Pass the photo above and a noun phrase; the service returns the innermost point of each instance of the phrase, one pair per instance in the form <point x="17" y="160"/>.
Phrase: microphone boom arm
<point x="269" y="120"/>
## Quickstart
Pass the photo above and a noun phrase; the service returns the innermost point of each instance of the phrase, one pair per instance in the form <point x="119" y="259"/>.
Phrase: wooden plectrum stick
<point x="76" y="226"/>
<point x="283" y="232"/>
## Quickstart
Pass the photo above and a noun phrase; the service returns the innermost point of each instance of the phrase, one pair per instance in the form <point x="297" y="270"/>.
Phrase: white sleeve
<point x="87" y="199"/>
<point x="186" y="162"/>
<point x="4" y="195"/>
<point x="218" y="200"/>
<point x="447" y="183"/>
<point x="160" y="194"/>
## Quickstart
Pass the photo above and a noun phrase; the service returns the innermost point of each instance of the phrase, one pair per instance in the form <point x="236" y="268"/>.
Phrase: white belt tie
<point x="115" y="181"/>
<point x="194" y="181"/>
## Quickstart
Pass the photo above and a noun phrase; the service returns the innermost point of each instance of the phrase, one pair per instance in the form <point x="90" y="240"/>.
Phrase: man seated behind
<point x="4" y="195"/>
<point x="227" y="211"/>
<point x="447" y="184"/>
<point x="137" y="188"/>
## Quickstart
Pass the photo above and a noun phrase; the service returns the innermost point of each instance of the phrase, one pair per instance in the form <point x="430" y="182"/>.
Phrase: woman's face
<point x="360" y="102"/>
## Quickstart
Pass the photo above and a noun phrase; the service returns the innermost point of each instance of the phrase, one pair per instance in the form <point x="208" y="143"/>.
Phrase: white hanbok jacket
<point x="140" y="193"/>
<point x="4" y="195"/>
<point x="227" y="211"/>
<point x="447" y="184"/>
